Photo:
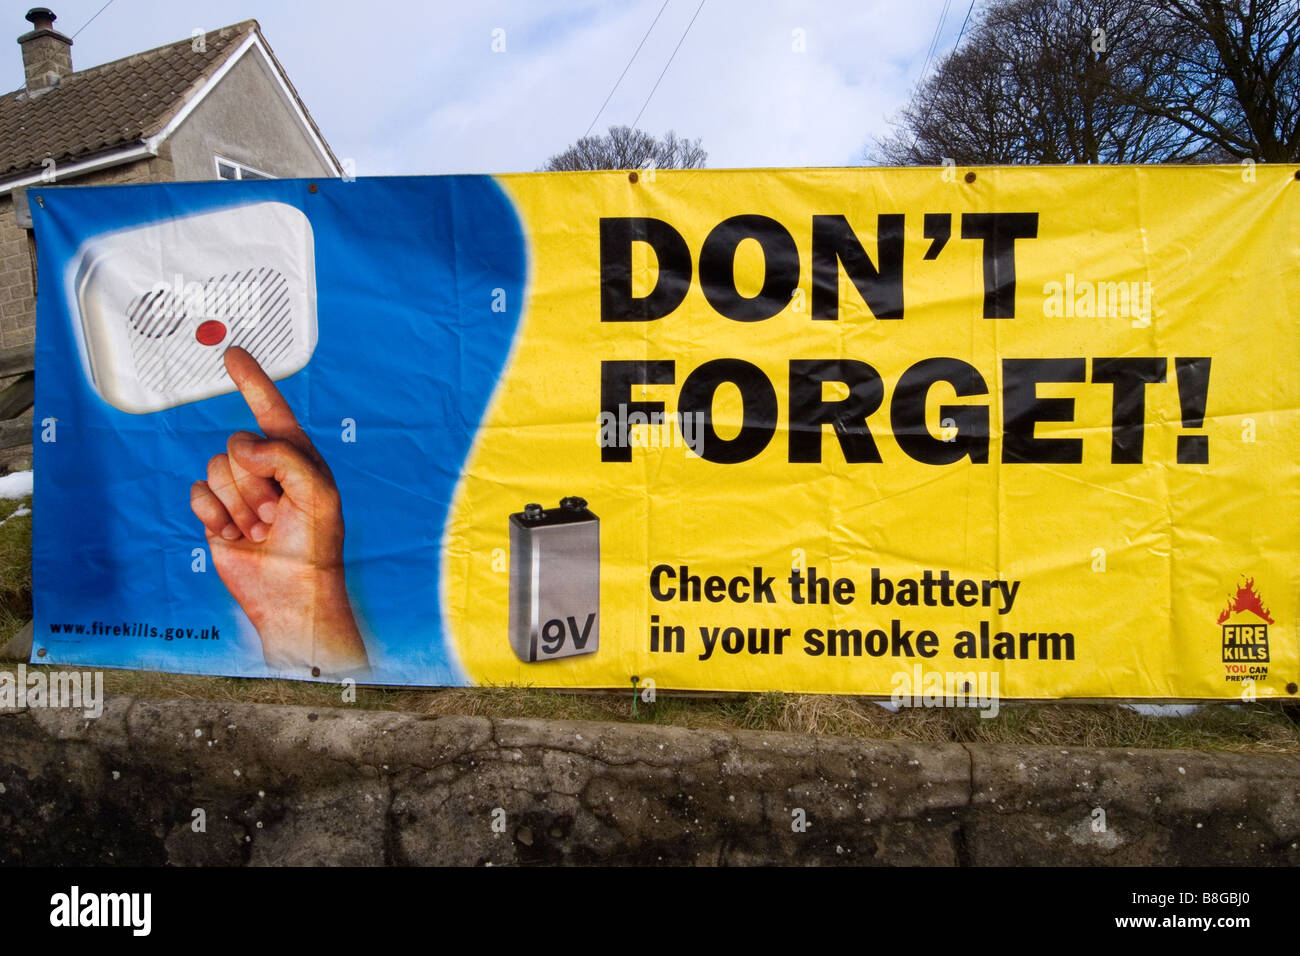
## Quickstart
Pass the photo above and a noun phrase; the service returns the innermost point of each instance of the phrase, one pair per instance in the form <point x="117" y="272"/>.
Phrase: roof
<point x="113" y="105"/>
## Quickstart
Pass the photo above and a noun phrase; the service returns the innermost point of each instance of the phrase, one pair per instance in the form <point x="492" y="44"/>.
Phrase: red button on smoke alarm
<point x="210" y="332"/>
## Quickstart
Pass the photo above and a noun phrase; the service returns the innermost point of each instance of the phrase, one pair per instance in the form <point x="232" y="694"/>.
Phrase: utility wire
<point x="625" y="69"/>
<point x="934" y="40"/>
<point x="960" y="33"/>
<point x="668" y="64"/>
<point x="91" y="20"/>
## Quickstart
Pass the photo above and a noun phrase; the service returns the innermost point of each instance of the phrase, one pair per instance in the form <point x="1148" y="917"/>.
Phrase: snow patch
<point x="16" y="485"/>
<point x="1164" y="710"/>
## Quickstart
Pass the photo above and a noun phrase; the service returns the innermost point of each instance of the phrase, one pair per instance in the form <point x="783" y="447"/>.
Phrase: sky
<point x="409" y="87"/>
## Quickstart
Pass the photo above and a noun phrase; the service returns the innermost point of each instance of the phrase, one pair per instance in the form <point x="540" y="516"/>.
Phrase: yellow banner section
<point x="1024" y="432"/>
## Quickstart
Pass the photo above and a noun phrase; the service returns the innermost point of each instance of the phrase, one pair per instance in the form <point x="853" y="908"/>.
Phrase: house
<point x="214" y="105"/>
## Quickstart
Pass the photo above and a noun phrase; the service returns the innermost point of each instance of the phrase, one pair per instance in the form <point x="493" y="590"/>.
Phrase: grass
<point x="1254" y="728"/>
<point x="15" y="565"/>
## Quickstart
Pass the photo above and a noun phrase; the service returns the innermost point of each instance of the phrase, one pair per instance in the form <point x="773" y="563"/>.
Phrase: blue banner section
<point x="384" y="312"/>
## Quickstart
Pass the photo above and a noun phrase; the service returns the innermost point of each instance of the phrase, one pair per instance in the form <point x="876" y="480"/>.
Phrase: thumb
<point x="277" y="458"/>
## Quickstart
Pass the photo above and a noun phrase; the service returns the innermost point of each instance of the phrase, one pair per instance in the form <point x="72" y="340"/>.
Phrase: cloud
<point x="744" y="81"/>
<point x="410" y="87"/>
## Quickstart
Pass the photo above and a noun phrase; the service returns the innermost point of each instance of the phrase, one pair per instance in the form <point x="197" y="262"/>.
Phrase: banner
<point x="1025" y="431"/>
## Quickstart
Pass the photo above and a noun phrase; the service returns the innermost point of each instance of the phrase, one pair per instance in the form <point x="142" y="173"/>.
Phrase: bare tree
<point x="1228" y="71"/>
<point x="1109" y="81"/>
<point x="627" y="148"/>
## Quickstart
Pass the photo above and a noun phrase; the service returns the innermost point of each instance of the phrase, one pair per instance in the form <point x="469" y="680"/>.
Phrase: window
<point x="229" y="169"/>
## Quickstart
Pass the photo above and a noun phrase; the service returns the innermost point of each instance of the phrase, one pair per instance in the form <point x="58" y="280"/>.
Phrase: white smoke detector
<point x="160" y="304"/>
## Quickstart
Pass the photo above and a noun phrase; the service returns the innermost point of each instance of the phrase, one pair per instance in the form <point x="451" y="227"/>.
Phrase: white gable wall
<point x="246" y="116"/>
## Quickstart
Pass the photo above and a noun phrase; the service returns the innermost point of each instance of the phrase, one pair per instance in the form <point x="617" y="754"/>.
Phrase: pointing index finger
<point x="273" y="414"/>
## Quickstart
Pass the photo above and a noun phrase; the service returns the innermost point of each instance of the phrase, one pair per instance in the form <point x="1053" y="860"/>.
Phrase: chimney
<point x="47" y="53"/>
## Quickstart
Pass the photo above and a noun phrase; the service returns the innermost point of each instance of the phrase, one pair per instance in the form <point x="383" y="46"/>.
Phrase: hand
<point x="274" y="523"/>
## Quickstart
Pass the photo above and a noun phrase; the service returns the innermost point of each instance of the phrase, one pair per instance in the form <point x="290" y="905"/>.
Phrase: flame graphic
<point x="1246" y="599"/>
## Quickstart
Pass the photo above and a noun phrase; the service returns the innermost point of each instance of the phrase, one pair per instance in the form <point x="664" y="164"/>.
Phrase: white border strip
<point x="74" y="169"/>
<point x="253" y="41"/>
<point x="157" y="138"/>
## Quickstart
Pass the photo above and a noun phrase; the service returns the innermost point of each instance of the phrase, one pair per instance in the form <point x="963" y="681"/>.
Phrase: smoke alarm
<point x="159" y="304"/>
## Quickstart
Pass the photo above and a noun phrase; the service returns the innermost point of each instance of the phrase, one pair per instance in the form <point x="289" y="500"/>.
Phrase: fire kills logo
<point x="1245" y="630"/>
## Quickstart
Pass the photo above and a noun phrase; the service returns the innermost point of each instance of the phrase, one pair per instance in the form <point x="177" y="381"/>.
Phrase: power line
<point x="960" y="33"/>
<point x="934" y="40"/>
<point x="92" y="19"/>
<point x="668" y="64"/>
<point x="625" y="69"/>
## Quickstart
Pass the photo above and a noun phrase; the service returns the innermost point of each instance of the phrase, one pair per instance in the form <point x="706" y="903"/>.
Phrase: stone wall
<point x="293" y="785"/>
